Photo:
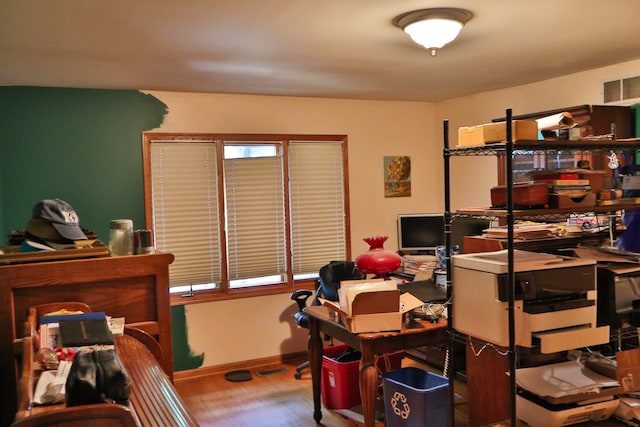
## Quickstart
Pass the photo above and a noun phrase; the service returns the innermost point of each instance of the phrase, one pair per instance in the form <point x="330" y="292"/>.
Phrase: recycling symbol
<point x="400" y="405"/>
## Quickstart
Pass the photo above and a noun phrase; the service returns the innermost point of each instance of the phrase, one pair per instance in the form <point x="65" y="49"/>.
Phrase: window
<point x="246" y="215"/>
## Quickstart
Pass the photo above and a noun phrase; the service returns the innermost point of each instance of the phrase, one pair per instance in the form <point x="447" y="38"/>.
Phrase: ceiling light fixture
<point x="433" y="28"/>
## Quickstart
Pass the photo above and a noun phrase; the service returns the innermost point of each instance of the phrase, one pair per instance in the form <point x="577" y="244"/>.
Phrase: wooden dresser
<point x="134" y="287"/>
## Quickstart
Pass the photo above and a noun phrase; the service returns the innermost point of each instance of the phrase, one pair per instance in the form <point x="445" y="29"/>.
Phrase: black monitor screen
<point x="420" y="232"/>
<point x="466" y="226"/>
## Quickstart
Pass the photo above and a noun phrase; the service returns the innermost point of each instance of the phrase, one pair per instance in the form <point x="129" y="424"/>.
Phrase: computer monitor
<point x="466" y="226"/>
<point x="420" y="233"/>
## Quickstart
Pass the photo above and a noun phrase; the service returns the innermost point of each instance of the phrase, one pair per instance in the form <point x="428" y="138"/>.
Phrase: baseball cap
<point x="61" y="216"/>
<point x="44" y="230"/>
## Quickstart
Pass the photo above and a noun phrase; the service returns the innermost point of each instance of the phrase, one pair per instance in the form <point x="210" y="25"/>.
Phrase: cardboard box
<point x="371" y="310"/>
<point x="631" y="182"/>
<point x="497" y="132"/>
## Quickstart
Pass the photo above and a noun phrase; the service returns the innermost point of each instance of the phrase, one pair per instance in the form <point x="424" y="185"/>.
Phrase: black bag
<point x="97" y="377"/>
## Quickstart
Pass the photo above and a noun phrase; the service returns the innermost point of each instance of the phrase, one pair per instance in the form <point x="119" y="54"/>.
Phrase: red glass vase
<point x="377" y="260"/>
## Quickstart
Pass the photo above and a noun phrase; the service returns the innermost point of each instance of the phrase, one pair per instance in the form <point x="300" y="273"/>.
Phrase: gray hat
<point x="62" y="216"/>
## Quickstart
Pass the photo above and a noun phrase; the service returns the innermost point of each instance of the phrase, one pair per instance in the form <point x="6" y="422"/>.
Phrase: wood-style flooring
<point x="278" y="399"/>
<point x="274" y="400"/>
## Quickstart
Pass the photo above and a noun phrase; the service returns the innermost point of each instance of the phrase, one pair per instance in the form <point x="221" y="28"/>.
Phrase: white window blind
<point x="255" y="206"/>
<point x="316" y="185"/>
<point x="271" y="233"/>
<point x="185" y="209"/>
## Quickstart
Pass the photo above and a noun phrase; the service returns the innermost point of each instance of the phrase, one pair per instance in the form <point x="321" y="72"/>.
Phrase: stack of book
<point x="529" y="230"/>
<point x="78" y="330"/>
<point x="569" y="187"/>
<point x="413" y="264"/>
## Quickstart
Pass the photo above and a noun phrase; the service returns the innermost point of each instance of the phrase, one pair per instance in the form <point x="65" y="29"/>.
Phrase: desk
<point x="153" y="400"/>
<point x="134" y="287"/>
<point x="321" y="319"/>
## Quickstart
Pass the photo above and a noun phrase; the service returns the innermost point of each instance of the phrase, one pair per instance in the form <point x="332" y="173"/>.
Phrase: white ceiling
<point x="318" y="48"/>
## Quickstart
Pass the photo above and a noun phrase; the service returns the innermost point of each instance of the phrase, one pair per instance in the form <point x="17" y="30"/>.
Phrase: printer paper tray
<point x="570" y="338"/>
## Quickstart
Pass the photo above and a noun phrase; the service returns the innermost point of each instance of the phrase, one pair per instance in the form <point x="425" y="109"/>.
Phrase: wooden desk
<point x="153" y="400"/>
<point x="134" y="287"/>
<point x="321" y="319"/>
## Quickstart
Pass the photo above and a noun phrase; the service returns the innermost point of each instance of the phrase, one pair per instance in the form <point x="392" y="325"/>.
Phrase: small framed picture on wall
<point x="397" y="176"/>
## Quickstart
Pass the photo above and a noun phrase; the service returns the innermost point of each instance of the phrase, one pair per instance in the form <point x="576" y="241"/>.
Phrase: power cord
<point x="485" y="346"/>
<point x="445" y="367"/>
<point x="432" y="310"/>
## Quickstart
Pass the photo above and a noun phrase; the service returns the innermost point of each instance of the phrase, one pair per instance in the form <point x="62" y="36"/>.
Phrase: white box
<point x="374" y="311"/>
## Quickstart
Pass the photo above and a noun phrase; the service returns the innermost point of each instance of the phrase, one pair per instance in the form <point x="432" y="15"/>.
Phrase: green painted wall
<point x="83" y="146"/>
<point x="80" y="145"/>
<point x="183" y="356"/>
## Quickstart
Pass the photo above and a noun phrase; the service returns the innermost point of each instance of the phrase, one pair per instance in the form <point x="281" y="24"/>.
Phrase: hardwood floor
<point x="270" y="401"/>
<point x="274" y="400"/>
<point x="278" y="400"/>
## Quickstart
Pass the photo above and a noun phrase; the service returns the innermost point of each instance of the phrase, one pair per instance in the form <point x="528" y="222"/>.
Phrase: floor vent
<point x="621" y="89"/>
<point x="271" y="372"/>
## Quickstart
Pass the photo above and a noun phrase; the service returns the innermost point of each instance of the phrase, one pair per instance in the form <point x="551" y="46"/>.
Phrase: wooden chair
<point x="37" y="311"/>
<point x="42" y="309"/>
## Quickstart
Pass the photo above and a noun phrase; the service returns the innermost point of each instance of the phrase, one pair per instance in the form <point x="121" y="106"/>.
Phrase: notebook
<point x="84" y="332"/>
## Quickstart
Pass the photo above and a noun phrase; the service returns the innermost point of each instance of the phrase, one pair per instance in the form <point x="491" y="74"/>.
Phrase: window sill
<point x="200" y="297"/>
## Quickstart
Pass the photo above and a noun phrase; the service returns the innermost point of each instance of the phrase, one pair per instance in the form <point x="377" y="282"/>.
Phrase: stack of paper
<point x="348" y="291"/>
<point x="72" y="330"/>
<point x="50" y="387"/>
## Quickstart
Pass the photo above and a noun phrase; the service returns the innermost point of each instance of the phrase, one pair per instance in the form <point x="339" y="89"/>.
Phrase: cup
<point x="143" y="242"/>
<point x="441" y="254"/>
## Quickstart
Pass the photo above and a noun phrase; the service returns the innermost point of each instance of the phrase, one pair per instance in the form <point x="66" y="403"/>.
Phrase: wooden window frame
<point x="224" y="292"/>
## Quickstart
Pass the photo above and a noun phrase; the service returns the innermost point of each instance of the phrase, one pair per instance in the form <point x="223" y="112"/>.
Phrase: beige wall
<point x="236" y="330"/>
<point x="261" y="327"/>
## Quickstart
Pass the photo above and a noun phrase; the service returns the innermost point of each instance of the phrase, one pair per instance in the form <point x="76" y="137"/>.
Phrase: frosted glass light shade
<point x="434" y="33"/>
<point x="433" y="28"/>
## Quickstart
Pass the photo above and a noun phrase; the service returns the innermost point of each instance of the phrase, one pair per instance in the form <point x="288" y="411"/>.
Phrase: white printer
<point x="565" y="393"/>
<point x="554" y="304"/>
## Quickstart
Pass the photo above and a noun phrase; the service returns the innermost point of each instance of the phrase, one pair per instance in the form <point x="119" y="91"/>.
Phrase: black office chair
<point x="327" y="286"/>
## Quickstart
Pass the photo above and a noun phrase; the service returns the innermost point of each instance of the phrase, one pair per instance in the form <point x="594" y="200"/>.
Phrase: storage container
<point x="415" y="397"/>
<point x="524" y="195"/>
<point x="340" y="383"/>
<point x="497" y="132"/>
<point x="121" y="237"/>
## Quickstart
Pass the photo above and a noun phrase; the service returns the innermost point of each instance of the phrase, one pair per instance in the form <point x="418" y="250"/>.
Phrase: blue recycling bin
<point x="415" y="398"/>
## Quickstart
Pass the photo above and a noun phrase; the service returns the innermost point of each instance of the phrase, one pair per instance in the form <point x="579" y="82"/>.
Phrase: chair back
<point x="332" y="274"/>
